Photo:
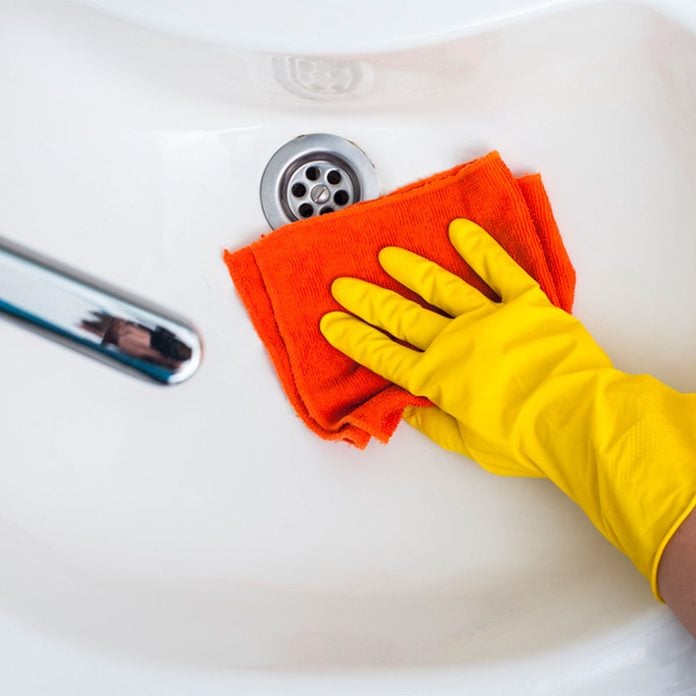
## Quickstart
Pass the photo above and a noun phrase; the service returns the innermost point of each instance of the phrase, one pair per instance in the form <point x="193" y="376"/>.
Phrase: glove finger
<point x="390" y="311"/>
<point x="433" y="283"/>
<point x="439" y="426"/>
<point x="369" y="347"/>
<point x="490" y="261"/>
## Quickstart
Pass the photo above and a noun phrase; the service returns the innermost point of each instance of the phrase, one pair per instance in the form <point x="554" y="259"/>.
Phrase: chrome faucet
<point x="96" y="319"/>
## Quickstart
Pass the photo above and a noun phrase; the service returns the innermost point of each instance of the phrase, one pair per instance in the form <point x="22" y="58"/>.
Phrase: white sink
<point x="199" y="539"/>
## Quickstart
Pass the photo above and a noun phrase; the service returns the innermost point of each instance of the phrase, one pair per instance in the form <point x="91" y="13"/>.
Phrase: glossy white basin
<point x="199" y="539"/>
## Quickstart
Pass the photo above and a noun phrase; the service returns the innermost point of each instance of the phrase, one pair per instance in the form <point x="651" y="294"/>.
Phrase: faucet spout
<point x="101" y="321"/>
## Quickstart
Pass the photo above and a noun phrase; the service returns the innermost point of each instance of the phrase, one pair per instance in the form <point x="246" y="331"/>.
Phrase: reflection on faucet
<point x="90" y="316"/>
<point x="158" y="346"/>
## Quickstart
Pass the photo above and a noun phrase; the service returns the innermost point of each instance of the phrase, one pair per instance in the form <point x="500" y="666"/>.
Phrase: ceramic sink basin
<point x="198" y="539"/>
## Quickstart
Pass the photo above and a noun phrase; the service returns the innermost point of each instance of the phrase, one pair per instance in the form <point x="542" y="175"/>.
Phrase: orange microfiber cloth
<point x="284" y="280"/>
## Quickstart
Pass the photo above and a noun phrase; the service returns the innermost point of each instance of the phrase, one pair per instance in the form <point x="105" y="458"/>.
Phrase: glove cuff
<point x="623" y="447"/>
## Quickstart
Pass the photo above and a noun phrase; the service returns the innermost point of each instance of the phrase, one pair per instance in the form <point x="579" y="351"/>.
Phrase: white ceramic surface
<point x="200" y="539"/>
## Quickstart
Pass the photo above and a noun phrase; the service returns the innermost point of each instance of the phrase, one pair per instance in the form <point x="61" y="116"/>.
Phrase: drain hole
<point x="313" y="175"/>
<point x="341" y="197"/>
<point x="306" y="210"/>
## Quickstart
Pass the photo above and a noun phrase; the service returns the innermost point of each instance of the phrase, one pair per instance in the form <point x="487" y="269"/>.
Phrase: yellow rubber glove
<point x="523" y="389"/>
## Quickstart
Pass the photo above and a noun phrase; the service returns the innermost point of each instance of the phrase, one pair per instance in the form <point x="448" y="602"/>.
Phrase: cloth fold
<point x="284" y="280"/>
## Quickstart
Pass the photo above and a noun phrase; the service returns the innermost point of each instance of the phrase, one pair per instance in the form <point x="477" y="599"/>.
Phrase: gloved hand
<point x="522" y="388"/>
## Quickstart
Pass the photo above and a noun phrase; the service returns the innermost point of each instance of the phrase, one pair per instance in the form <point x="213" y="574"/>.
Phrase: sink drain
<point x="315" y="175"/>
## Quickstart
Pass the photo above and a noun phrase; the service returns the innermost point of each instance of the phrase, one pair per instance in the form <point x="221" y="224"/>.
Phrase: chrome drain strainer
<point x="315" y="175"/>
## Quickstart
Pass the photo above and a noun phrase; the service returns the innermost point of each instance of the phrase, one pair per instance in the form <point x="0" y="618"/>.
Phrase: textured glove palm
<point x="523" y="389"/>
